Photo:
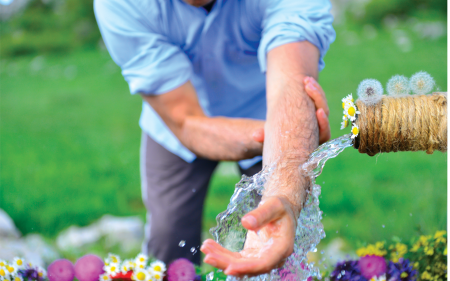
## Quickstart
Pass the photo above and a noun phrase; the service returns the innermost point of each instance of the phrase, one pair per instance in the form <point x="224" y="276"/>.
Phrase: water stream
<point x="231" y="234"/>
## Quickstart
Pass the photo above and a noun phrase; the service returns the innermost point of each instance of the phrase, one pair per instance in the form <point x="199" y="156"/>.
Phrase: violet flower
<point x="401" y="271"/>
<point x="347" y="271"/>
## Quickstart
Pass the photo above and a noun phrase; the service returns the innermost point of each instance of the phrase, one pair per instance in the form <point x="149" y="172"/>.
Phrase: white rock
<point x="7" y="227"/>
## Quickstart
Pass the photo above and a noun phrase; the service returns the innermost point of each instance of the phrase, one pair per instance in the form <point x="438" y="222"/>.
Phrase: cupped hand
<point x="316" y="93"/>
<point x="270" y="240"/>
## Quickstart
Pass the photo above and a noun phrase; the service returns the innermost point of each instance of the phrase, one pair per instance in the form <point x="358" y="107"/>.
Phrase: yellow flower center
<point x="351" y="111"/>
<point x="141" y="259"/>
<point x="2" y="263"/>
<point x="141" y="266"/>
<point x="114" y="259"/>
<point x="105" y="277"/>
<point x="404" y="275"/>
<point x="10" y="268"/>
<point x="355" y="130"/>
<point x="140" y="276"/>
<point x="40" y="274"/>
<point x="353" y="100"/>
<point x="19" y="262"/>
<point x="157" y="268"/>
<point x="343" y="105"/>
<point x="17" y="279"/>
<point x="113" y="268"/>
<point x="2" y="272"/>
<point x="157" y="276"/>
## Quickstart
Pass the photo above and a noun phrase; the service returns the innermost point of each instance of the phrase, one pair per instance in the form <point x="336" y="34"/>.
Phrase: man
<point x="210" y="72"/>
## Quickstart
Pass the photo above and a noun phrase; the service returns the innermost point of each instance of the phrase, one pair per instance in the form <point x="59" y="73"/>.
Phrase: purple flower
<point x="181" y="270"/>
<point x="347" y="271"/>
<point x="372" y="266"/>
<point x="30" y="274"/>
<point x="401" y="271"/>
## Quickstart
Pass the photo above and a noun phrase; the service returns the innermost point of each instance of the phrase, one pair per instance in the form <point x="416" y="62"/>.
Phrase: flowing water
<point x="231" y="234"/>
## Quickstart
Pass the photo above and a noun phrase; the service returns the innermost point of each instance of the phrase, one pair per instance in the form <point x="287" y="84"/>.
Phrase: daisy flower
<point x="348" y="99"/>
<point x="355" y="131"/>
<point x="19" y="263"/>
<point x="157" y="275"/>
<point x="112" y="259"/>
<point x="11" y="269"/>
<point x="141" y="259"/>
<point x="41" y="272"/>
<point x="344" y="123"/>
<point x="350" y="111"/>
<point x="3" y="263"/>
<point x="112" y="269"/>
<point x="158" y="266"/>
<point x="105" y="277"/>
<point x="141" y="275"/>
<point x="380" y="278"/>
<point x="126" y="266"/>
<point x="4" y="273"/>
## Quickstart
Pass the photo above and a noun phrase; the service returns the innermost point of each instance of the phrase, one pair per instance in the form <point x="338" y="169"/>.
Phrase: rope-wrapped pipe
<point x="407" y="123"/>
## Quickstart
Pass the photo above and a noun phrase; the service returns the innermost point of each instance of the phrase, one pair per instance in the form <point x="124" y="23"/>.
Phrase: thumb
<point x="267" y="211"/>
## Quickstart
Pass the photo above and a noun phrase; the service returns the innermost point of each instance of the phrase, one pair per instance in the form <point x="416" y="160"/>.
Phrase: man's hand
<point x="316" y="93"/>
<point x="270" y="239"/>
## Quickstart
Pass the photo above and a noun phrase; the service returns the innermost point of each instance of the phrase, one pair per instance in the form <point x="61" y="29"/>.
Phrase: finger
<point x="258" y="135"/>
<point x="273" y="208"/>
<point x="211" y="246"/>
<point x="316" y="93"/>
<point x="219" y="261"/>
<point x="324" y="126"/>
<point x="260" y="264"/>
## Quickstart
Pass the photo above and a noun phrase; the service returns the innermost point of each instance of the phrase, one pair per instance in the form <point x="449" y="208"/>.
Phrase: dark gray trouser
<point x="173" y="192"/>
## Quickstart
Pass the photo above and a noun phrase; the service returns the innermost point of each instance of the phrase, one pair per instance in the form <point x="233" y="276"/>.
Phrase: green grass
<point x="69" y="146"/>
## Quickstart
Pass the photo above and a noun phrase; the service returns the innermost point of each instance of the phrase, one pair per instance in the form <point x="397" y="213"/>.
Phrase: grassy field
<point x="70" y="141"/>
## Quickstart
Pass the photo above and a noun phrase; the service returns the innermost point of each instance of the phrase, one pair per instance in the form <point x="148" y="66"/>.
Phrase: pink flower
<point x="181" y="270"/>
<point x="372" y="266"/>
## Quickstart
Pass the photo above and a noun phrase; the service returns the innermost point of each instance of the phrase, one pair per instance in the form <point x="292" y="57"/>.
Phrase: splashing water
<point x="248" y="192"/>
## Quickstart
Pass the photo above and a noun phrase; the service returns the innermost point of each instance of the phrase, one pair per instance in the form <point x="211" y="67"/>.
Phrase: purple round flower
<point x="402" y="270"/>
<point x="371" y="266"/>
<point x="181" y="270"/>
<point x="347" y="271"/>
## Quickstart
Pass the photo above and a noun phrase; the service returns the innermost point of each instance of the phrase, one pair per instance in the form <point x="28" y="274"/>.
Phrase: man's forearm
<point x="220" y="138"/>
<point x="291" y="127"/>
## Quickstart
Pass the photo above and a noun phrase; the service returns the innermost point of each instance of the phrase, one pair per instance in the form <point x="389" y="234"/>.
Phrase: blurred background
<point x="70" y="137"/>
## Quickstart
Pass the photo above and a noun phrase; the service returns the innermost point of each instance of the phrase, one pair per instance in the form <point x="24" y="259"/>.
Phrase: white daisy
<point x="344" y="123"/>
<point x="112" y="269"/>
<point x="355" y="131"/>
<point x="3" y="263"/>
<point x="350" y="111"/>
<point x="346" y="100"/>
<point x="141" y="275"/>
<point x="112" y="259"/>
<point x="158" y="266"/>
<point x="157" y="275"/>
<point x="11" y="269"/>
<point x="18" y="262"/>
<point x="4" y="273"/>
<point x="105" y="277"/>
<point x="126" y="266"/>
<point x="141" y="259"/>
<point x="41" y="272"/>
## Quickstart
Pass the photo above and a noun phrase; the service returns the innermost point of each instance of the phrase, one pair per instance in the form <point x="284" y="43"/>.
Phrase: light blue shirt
<point x="162" y="44"/>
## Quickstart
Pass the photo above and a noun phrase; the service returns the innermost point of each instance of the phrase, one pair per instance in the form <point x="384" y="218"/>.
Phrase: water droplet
<point x="192" y="249"/>
<point x="182" y="243"/>
<point x="337" y="231"/>
<point x="194" y="190"/>
<point x="383" y="225"/>
<point x="339" y="276"/>
<point x="210" y="276"/>
<point x="410" y="214"/>
<point x="343" y="272"/>
<point x="323" y="182"/>
<point x="314" y="250"/>
<point x="322" y="252"/>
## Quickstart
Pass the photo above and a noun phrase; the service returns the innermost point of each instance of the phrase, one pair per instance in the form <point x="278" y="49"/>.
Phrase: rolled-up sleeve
<point x="288" y="21"/>
<point x="149" y="62"/>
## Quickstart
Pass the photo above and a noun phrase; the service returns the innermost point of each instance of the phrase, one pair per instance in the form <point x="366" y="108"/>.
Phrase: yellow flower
<point x="141" y="275"/>
<point x="429" y="251"/>
<point x="355" y="131"/>
<point x="158" y="266"/>
<point x="426" y="275"/>
<point x="399" y="252"/>
<point x="105" y="277"/>
<point x="439" y="236"/>
<point x="344" y="124"/>
<point x="112" y="259"/>
<point x="445" y="251"/>
<point x="350" y="111"/>
<point x="377" y="250"/>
